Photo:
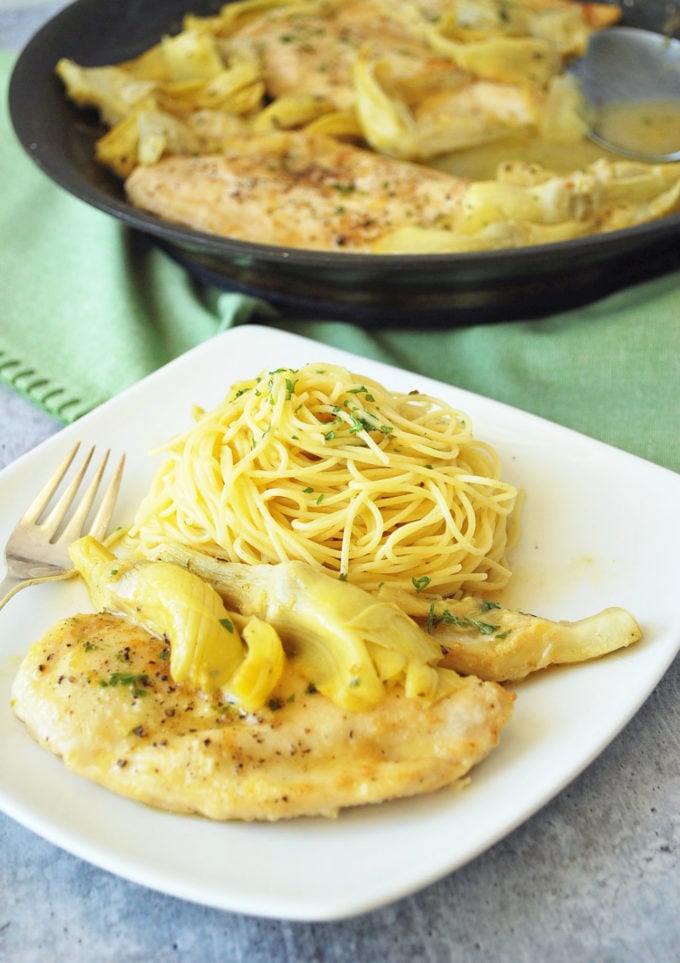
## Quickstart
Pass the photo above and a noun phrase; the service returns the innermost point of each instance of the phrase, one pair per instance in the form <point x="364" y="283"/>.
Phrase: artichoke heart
<point x="422" y="680"/>
<point x="171" y="602"/>
<point x="262" y="667"/>
<point x="343" y="641"/>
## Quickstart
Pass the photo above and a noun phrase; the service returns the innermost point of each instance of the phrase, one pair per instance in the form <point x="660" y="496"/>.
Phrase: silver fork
<point x="37" y="549"/>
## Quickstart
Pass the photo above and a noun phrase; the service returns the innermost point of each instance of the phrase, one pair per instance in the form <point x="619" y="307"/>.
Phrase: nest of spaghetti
<point x="389" y="491"/>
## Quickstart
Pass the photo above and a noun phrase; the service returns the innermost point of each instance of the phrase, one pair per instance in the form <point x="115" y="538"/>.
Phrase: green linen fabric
<point x="87" y="308"/>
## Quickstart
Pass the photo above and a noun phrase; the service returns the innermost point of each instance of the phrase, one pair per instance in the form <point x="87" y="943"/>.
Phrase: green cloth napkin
<point x="87" y="308"/>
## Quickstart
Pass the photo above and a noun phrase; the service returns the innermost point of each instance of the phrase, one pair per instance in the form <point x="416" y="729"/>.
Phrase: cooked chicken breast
<point x="97" y="692"/>
<point x="295" y="190"/>
<point x="315" y="48"/>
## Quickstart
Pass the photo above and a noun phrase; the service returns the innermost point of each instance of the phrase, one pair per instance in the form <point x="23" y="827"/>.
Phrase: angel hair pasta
<point x="391" y="491"/>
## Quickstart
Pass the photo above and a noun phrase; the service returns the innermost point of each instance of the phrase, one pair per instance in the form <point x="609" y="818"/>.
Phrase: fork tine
<point x="102" y="519"/>
<point x="75" y="525"/>
<point x="41" y="500"/>
<point x="36" y="551"/>
<point x="58" y="513"/>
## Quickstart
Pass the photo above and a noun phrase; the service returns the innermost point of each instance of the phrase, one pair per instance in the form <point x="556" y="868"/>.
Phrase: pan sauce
<point x="649" y="125"/>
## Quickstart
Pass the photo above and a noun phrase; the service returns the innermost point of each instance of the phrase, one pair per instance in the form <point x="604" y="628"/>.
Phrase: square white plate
<point x="600" y="528"/>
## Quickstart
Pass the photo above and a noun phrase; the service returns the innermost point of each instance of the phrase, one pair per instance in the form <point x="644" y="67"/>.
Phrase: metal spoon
<point x="626" y="64"/>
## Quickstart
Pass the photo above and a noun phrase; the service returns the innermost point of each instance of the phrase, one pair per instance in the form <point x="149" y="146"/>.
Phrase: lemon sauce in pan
<point x="649" y="125"/>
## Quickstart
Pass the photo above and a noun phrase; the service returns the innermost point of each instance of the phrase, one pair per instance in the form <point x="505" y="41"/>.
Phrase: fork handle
<point x="10" y="585"/>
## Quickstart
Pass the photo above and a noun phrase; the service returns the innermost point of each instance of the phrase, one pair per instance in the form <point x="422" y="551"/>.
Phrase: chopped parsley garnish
<point x="448" y="618"/>
<point x="360" y="424"/>
<point x="361" y="390"/>
<point x="136" y="681"/>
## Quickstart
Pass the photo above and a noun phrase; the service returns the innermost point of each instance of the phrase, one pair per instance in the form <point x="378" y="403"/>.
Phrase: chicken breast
<point x="97" y="692"/>
<point x="315" y="48"/>
<point x="296" y="190"/>
<point x="311" y="192"/>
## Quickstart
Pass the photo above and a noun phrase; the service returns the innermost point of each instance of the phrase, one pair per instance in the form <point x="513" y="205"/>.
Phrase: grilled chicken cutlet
<point x="315" y="48"/>
<point x="296" y="190"/>
<point x="97" y="691"/>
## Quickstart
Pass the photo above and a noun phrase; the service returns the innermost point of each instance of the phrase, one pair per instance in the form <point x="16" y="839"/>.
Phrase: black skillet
<point x="443" y="289"/>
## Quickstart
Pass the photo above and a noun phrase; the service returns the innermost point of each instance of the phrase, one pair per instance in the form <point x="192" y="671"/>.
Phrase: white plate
<point x="600" y="528"/>
<point x="18" y="5"/>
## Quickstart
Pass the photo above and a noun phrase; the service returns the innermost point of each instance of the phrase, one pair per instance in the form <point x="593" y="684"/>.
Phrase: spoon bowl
<point x="628" y="65"/>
